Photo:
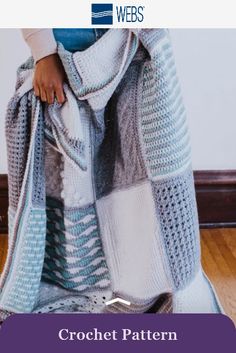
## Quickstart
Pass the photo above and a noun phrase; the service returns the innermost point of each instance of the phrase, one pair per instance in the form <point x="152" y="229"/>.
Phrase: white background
<point x="206" y="64"/>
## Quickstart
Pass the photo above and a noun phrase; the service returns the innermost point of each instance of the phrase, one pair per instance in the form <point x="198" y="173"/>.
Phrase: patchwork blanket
<point x="101" y="193"/>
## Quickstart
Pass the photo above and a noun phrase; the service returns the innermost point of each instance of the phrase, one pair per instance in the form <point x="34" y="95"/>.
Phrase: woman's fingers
<point x="43" y="95"/>
<point x="60" y="94"/>
<point x="36" y="90"/>
<point x="50" y="95"/>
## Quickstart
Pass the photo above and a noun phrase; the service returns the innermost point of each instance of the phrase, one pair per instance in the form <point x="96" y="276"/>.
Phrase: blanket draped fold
<point x="101" y="192"/>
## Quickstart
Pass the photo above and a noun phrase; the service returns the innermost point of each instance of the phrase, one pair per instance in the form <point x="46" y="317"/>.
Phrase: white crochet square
<point x="196" y="298"/>
<point x="132" y="243"/>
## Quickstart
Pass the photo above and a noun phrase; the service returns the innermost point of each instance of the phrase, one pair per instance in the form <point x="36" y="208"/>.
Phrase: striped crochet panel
<point x="20" y="295"/>
<point x="164" y="131"/>
<point x="38" y="182"/>
<point x="177" y="213"/>
<point x="74" y="256"/>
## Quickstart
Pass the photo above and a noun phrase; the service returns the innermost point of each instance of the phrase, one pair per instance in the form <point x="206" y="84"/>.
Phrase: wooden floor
<point x="219" y="263"/>
<point x="218" y="259"/>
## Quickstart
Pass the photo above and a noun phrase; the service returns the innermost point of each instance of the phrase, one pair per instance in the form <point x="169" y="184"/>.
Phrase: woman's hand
<point x="48" y="80"/>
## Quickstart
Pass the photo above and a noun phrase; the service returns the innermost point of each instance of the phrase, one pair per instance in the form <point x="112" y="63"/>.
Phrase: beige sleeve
<point x="41" y="41"/>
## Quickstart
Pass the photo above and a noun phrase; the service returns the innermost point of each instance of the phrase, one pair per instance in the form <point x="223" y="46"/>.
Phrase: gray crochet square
<point x="18" y="129"/>
<point x="18" y="136"/>
<point x="177" y="214"/>
<point x="117" y="156"/>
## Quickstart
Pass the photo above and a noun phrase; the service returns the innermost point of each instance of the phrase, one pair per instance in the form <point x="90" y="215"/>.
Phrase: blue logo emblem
<point x="102" y="14"/>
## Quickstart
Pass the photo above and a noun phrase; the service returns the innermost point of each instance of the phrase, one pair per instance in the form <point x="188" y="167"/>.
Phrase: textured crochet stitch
<point x="101" y="193"/>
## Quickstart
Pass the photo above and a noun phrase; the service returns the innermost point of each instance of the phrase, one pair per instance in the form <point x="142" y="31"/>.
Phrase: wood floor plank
<point x="217" y="254"/>
<point x="229" y="237"/>
<point x="208" y="261"/>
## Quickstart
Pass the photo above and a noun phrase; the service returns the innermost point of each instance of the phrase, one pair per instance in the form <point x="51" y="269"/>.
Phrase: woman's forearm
<point x="41" y="41"/>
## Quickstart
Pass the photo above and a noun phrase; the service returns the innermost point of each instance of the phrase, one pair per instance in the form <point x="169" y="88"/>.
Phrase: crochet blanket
<point x="101" y="193"/>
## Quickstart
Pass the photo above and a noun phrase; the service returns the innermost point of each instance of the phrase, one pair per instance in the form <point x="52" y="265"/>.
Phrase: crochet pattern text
<point x="125" y="334"/>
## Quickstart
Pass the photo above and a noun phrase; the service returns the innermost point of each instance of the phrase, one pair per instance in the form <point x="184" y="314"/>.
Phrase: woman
<point x="118" y="194"/>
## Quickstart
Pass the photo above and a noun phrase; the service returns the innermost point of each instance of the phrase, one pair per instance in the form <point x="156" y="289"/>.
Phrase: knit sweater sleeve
<point x="41" y="41"/>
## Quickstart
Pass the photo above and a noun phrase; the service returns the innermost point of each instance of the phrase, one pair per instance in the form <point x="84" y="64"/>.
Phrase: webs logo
<point x="102" y="14"/>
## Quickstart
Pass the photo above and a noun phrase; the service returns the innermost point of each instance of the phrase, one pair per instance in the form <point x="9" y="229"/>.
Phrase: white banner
<point x="119" y="14"/>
